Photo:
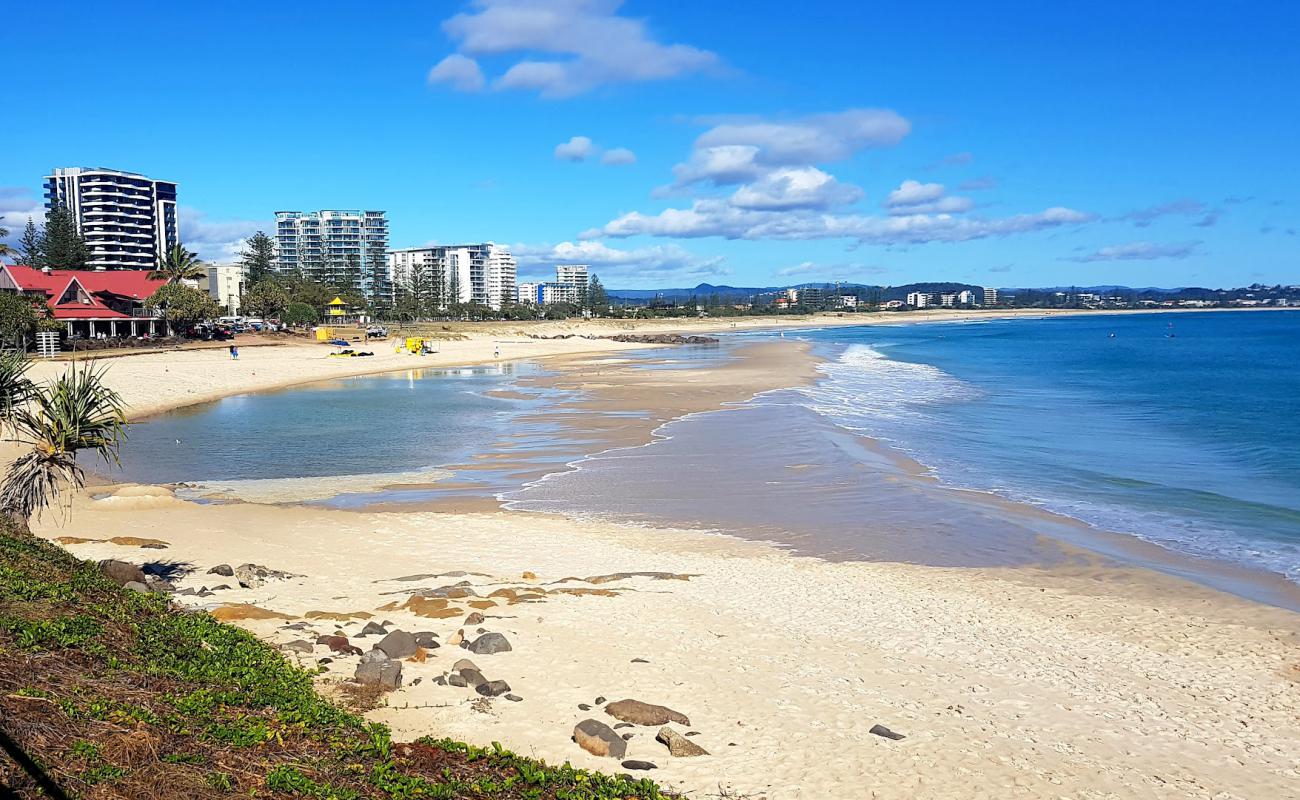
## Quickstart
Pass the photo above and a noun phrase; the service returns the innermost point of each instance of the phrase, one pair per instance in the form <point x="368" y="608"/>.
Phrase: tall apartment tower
<point x="469" y="273"/>
<point x="342" y="248"/>
<point x="128" y="221"/>
<point x="990" y="296"/>
<point x="572" y="275"/>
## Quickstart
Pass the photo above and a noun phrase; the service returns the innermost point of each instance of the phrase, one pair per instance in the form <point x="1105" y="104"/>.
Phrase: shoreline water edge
<point x="1064" y="672"/>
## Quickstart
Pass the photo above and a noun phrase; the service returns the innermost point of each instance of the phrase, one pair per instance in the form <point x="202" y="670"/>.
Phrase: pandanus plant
<point x="74" y="412"/>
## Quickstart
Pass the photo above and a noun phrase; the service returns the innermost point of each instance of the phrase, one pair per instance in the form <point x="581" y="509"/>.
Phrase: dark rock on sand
<point x="514" y="698"/>
<point x="298" y="646"/>
<point x="441" y="680"/>
<point x="632" y="763"/>
<point x="640" y="713"/>
<point x="224" y="570"/>
<point x="463" y="663"/>
<point x="475" y="618"/>
<point x="398" y="644"/>
<point x="599" y="739"/>
<point x="251" y="576"/>
<point x="375" y="667"/>
<point x="372" y="627"/>
<point x="426" y="639"/>
<point x="627" y="737"/>
<point x="639" y="661"/>
<point x="490" y="643"/>
<point x="339" y="644"/>
<point x="583" y="707"/>
<point x="679" y="746"/>
<point x="473" y="677"/>
<point x="492" y="688"/>
<point x="122" y="572"/>
<point x="600" y="701"/>
<point x="457" y="681"/>
<point x="622" y="725"/>
<point x="881" y="730"/>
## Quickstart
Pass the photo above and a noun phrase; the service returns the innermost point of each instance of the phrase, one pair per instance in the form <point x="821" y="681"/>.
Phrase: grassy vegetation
<point x="117" y="694"/>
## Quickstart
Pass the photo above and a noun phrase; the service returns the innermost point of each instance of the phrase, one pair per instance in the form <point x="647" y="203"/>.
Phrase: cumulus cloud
<point x="714" y="217"/>
<point x="655" y="262"/>
<point x="618" y="156"/>
<point x="793" y="188"/>
<point x="735" y="150"/>
<point x="914" y="197"/>
<point x="459" y="72"/>
<point x="216" y="241"/>
<point x="578" y="148"/>
<point x="564" y="47"/>
<point x="911" y="193"/>
<point x="581" y="148"/>
<point x="17" y="204"/>
<point x="1140" y="251"/>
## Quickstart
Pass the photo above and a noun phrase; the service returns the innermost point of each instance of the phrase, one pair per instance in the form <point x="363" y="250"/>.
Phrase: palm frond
<point x="15" y="387"/>
<point x="75" y="412"/>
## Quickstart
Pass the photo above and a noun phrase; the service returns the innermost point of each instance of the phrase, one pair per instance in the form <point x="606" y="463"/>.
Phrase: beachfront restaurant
<point x="91" y="304"/>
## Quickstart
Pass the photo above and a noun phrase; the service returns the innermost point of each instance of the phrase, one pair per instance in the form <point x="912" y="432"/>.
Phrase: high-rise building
<point x="345" y="249"/>
<point x="919" y="299"/>
<point x="990" y="296"/>
<point x="226" y="283"/>
<point x="572" y="275"/>
<point x="128" y="221"/>
<point x="470" y="273"/>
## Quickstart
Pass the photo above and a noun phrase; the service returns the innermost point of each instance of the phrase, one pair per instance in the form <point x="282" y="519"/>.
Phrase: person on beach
<point x="496" y="351"/>
<point x="234" y="353"/>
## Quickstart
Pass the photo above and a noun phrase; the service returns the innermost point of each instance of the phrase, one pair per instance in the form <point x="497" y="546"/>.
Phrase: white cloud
<point x="656" y="262"/>
<point x="578" y="148"/>
<point x="713" y="217"/>
<point x="914" y="197"/>
<point x="1140" y="251"/>
<point x="16" y="205"/>
<point x="215" y="241"/>
<point x="736" y="150"/>
<point x="581" y="148"/>
<point x="911" y="193"/>
<point x="565" y="47"/>
<point x="458" y="71"/>
<point x="619" y="156"/>
<point x="791" y="188"/>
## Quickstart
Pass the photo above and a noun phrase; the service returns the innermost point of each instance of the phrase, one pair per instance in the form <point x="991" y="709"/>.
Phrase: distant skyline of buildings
<point x="484" y="273"/>
<point x="127" y="220"/>
<point x="569" y="286"/>
<point x="335" y="246"/>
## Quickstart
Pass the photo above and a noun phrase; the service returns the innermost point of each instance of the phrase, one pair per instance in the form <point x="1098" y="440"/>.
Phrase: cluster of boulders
<point x="636" y="338"/>
<point x="159" y="577"/>
<point x="250" y="576"/>
<point x="600" y="739"/>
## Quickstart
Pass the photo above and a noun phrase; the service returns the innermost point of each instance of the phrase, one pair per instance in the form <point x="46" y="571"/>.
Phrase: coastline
<point x="1073" y="678"/>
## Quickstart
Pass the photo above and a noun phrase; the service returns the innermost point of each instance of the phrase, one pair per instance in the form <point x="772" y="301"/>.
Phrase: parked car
<point x="209" y="332"/>
<point x="376" y="332"/>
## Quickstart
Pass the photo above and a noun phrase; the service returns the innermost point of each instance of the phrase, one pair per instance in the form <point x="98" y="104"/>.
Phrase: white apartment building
<point x="572" y="274"/>
<point x="127" y="220"/>
<point x="226" y="285"/>
<point x="343" y="248"/>
<point x="473" y="273"/>
<point x="948" y="299"/>
<point x="847" y="301"/>
<point x="919" y="299"/>
<point x="966" y="298"/>
<point x="990" y="296"/>
<point x="529" y="293"/>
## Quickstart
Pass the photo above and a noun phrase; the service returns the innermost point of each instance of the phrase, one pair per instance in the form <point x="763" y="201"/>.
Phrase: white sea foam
<point x="863" y="386"/>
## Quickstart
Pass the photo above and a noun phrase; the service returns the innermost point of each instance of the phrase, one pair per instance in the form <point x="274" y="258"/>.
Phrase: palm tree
<point x="180" y="265"/>
<point x="76" y="411"/>
<point x="6" y="250"/>
<point x="15" y="387"/>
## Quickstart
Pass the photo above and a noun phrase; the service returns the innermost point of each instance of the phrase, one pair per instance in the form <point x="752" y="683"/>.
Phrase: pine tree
<point x="258" y="258"/>
<point x="31" y="247"/>
<point x="62" y="244"/>
<point x="597" y="297"/>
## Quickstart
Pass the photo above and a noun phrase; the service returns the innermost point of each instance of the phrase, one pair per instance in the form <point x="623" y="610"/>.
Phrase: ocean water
<point x="1182" y="430"/>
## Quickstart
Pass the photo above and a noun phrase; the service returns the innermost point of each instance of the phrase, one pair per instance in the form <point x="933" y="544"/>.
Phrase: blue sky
<point x="667" y="144"/>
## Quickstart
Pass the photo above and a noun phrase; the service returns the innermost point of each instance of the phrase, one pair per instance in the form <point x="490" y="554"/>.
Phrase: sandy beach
<point x="1080" y="680"/>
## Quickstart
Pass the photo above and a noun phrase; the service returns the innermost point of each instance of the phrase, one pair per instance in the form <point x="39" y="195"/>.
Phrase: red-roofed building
<point x="92" y="304"/>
